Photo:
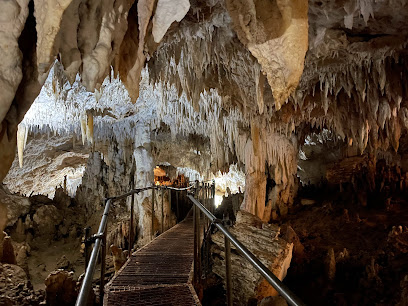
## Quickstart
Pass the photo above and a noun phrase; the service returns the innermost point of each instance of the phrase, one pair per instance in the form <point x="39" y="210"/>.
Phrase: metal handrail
<point x="87" y="282"/>
<point x="284" y="291"/>
<point x="100" y="239"/>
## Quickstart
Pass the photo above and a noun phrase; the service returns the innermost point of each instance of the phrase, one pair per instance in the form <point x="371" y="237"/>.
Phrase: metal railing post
<point x="132" y="203"/>
<point x="177" y="206"/>
<point x="103" y="268"/>
<point x="87" y="281"/>
<point x="207" y="200"/>
<point x="198" y="217"/>
<point x="255" y="262"/>
<point x="99" y="240"/>
<point x="195" y="225"/>
<point x="153" y="196"/>
<point x="213" y="197"/>
<point x="228" y="281"/>
<point x="86" y="242"/>
<point x="203" y="200"/>
<point x="168" y="211"/>
<point x="162" y="211"/>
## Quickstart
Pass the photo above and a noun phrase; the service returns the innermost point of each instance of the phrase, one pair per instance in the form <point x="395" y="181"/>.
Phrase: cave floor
<point x="46" y="257"/>
<point x="159" y="273"/>
<point x="370" y="253"/>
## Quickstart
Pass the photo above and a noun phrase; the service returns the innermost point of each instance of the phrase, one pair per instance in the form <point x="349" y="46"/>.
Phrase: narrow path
<point x="160" y="273"/>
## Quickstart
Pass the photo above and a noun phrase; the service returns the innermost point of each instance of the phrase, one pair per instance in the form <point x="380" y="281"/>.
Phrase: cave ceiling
<point x="241" y="72"/>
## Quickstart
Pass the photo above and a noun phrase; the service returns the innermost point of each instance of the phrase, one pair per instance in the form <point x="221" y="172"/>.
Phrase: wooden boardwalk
<point x="160" y="273"/>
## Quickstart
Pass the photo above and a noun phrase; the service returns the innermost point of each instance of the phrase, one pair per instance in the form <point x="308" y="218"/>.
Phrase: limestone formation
<point x="166" y="13"/>
<point x="8" y="255"/>
<point x="46" y="219"/>
<point x="287" y="100"/>
<point x="276" y="34"/>
<point x="60" y="288"/>
<point x="13" y="17"/>
<point x="12" y="207"/>
<point x="16" y="288"/>
<point x="118" y="257"/>
<point x="262" y="240"/>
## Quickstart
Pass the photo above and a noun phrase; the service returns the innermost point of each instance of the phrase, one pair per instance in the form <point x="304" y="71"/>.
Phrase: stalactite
<point x="83" y="128"/>
<point x="21" y="141"/>
<point x="90" y="129"/>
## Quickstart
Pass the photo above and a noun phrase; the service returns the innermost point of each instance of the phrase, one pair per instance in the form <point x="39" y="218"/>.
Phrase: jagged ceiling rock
<point x="132" y="57"/>
<point x="13" y="15"/>
<point x="99" y="53"/>
<point x="168" y="11"/>
<point x="86" y="36"/>
<point x="276" y="33"/>
<point x="48" y="15"/>
<point x="207" y="75"/>
<point x="182" y="152"/>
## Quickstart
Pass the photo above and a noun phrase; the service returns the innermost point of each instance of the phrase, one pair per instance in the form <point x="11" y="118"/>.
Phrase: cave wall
<point x="87" y="37"/>
<point x="253" y="76"/>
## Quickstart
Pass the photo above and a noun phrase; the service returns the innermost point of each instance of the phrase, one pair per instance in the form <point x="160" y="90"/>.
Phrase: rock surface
<point x="15" y="288"/>
<point x="14" y="206"/>
<point x="262" y="240"/>
<point x="60" y="288"/>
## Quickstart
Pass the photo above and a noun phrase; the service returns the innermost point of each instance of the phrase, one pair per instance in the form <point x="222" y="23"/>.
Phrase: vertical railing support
<point x="153" y="196"/>
<point x="213" y="197"/>
<point x="203" y="188"/>
<point x="162" y="211"/>
<point x="228" y="280"/>
<point x="132" y="204"/>
<point x="87" y="243"/>
<point x="103" y="268"/>
<point x="195" y="225"/>
<point x="177" y="206"/>
<point x="198" y="215"/>
<point x="169" y="209"/>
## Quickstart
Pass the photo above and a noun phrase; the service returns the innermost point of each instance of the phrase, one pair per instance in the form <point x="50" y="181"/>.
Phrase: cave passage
<point x="295" y="111"/>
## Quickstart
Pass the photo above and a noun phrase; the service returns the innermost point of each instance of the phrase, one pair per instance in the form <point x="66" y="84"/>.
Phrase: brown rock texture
<point x="276" y="33"/>
<point x="60" y="288"/>
<point x="118" y="257"/>
<point x="8" y="256"/>
<point x="262" y="240"/>
<point x="15" y="288"/>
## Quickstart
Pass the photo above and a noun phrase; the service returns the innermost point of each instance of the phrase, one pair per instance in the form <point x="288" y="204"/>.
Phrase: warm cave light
<point x="218" y="200"/>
